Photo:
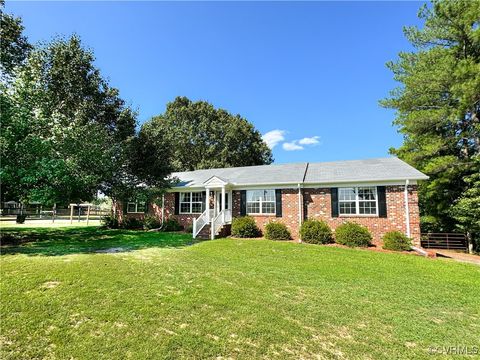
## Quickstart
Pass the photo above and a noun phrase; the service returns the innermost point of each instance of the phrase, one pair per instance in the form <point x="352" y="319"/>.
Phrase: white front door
<point x="218" y="201"/>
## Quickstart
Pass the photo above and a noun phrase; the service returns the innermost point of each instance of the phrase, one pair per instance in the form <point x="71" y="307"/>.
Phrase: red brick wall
<point x="289" y="212"/>
<point x="169" y="211"/>
<point x="153" y="209"/>
<point x="317" y="205"/>
<point x="184" y="219"/>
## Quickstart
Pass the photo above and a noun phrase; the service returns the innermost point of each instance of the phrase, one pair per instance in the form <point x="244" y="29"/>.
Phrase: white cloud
<point x="314" y="140"/>
<point x="291" y="146"/>
<point x="274" y="137"/>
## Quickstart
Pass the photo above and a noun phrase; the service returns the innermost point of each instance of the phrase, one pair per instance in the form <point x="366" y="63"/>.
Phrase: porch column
<point x="223" y="204"/>
<point x="207" y="204"/>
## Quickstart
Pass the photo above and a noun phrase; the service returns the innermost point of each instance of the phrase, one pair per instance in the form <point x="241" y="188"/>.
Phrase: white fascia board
<point x="321" y="185"/>
<point x="185" y="189"/>
<point x="303" y="185"/>
<point x="358" y="183"/>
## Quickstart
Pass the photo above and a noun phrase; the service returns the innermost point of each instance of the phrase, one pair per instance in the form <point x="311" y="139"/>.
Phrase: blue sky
<point x="309" y="74"/>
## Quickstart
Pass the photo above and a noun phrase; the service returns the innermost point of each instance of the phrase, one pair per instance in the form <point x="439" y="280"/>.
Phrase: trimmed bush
<point x="316" y="232"/>
<point x="171" y="224"/>
<point x="245" y="227"/>
<point x="110" y="221"/>
<point x="276" y="231"/>
<point x="151" y="222"/>
<point x="9" y="239"/>
<point x="396" y="241"/>
<point x="21" y="218"/>
<point x="131" y="223"/>
<point x="188" y="229"/>
<point x="352" y="234"/>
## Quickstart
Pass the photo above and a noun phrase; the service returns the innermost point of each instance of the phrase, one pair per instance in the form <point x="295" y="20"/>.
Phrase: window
<point x="136" y="207"/>
<point x="192" y="202"/>
<point x="261" y="201"/>
<point x="358" y="201"/>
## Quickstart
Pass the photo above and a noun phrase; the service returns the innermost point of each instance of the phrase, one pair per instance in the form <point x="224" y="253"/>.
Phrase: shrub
<point x="9" y="239"/>
<point x="188" y="229"/>
<point x="171" y="224"/>
<point x="245" y="227"/>
<point x="276" y="231"/>
<point x="151" y="222"/>
<point x="352" y="235"/>
<point x="316" y="232"/>
<point x="131" y="223"/>
<point x="21" y="218"/>
<point x="110" y="221"/>
<point x="396" y="241"/>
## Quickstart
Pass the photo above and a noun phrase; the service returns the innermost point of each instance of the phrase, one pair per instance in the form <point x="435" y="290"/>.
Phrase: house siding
<point x="316" y="204"/>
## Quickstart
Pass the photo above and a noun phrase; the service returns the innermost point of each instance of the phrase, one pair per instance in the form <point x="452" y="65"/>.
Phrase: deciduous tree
<point x="200" y="136"/>
<point x="64" y="129"/>
<point x="14" y="46"/>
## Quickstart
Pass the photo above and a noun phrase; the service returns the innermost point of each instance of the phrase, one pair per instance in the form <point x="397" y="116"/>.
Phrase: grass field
<point x="163" y="296"/>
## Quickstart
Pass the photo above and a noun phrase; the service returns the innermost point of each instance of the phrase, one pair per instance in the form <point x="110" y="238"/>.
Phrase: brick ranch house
<point x="380" y="194"/>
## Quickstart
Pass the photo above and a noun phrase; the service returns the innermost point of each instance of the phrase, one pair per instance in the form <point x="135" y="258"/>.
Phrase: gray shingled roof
<point x="248" y="175"/>
<point x="383" y="169"/>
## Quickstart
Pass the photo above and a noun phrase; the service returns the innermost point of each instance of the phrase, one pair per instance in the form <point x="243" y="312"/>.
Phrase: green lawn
<point x="164" y="296"/>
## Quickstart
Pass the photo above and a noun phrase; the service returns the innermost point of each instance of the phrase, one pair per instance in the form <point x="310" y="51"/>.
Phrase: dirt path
<point x="458" y="256"/>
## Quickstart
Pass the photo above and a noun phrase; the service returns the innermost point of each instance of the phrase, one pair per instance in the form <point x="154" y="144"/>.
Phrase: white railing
<point x="223" y="217"/>
<point x="201" y="221"/>
<point x="228" y="217"/>
<point x="216" y="225"/>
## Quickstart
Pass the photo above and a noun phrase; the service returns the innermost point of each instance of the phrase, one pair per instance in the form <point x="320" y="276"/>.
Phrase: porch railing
<point x="201" y="221"/>
<point x="216" y="222"/>
<point x="223" y="217"/>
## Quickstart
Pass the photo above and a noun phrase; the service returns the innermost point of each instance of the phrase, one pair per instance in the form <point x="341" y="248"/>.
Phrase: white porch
<point x="221" y="213"/>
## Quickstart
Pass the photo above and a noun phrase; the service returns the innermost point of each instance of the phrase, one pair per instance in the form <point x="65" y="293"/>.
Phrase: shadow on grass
<point x="65" y="241"/>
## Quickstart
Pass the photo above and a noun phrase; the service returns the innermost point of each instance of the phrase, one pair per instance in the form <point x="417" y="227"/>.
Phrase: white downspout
<point x="407" y="221"/>
<point x="407" y="210"/>
<point x="300" y="206"/>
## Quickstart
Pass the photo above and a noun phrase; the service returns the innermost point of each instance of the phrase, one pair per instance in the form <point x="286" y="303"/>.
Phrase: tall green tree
<point x="65" y="131"/>
<point x="466" y="210"/>
<point x="200" y="136"/>
<point x="14" y="46"/>
<point x="438" y="106"/>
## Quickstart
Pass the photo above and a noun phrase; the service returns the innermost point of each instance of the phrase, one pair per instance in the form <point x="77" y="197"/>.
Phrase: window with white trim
<point x="136" y="207"/>
<point x="192" y="202"/>
<point x="358" y="200"/>
<point x="261" y="202"/>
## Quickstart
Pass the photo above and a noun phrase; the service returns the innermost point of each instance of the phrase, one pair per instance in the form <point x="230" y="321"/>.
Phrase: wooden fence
<point x="61" y="213"/>
<point x="448" y="241"/>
